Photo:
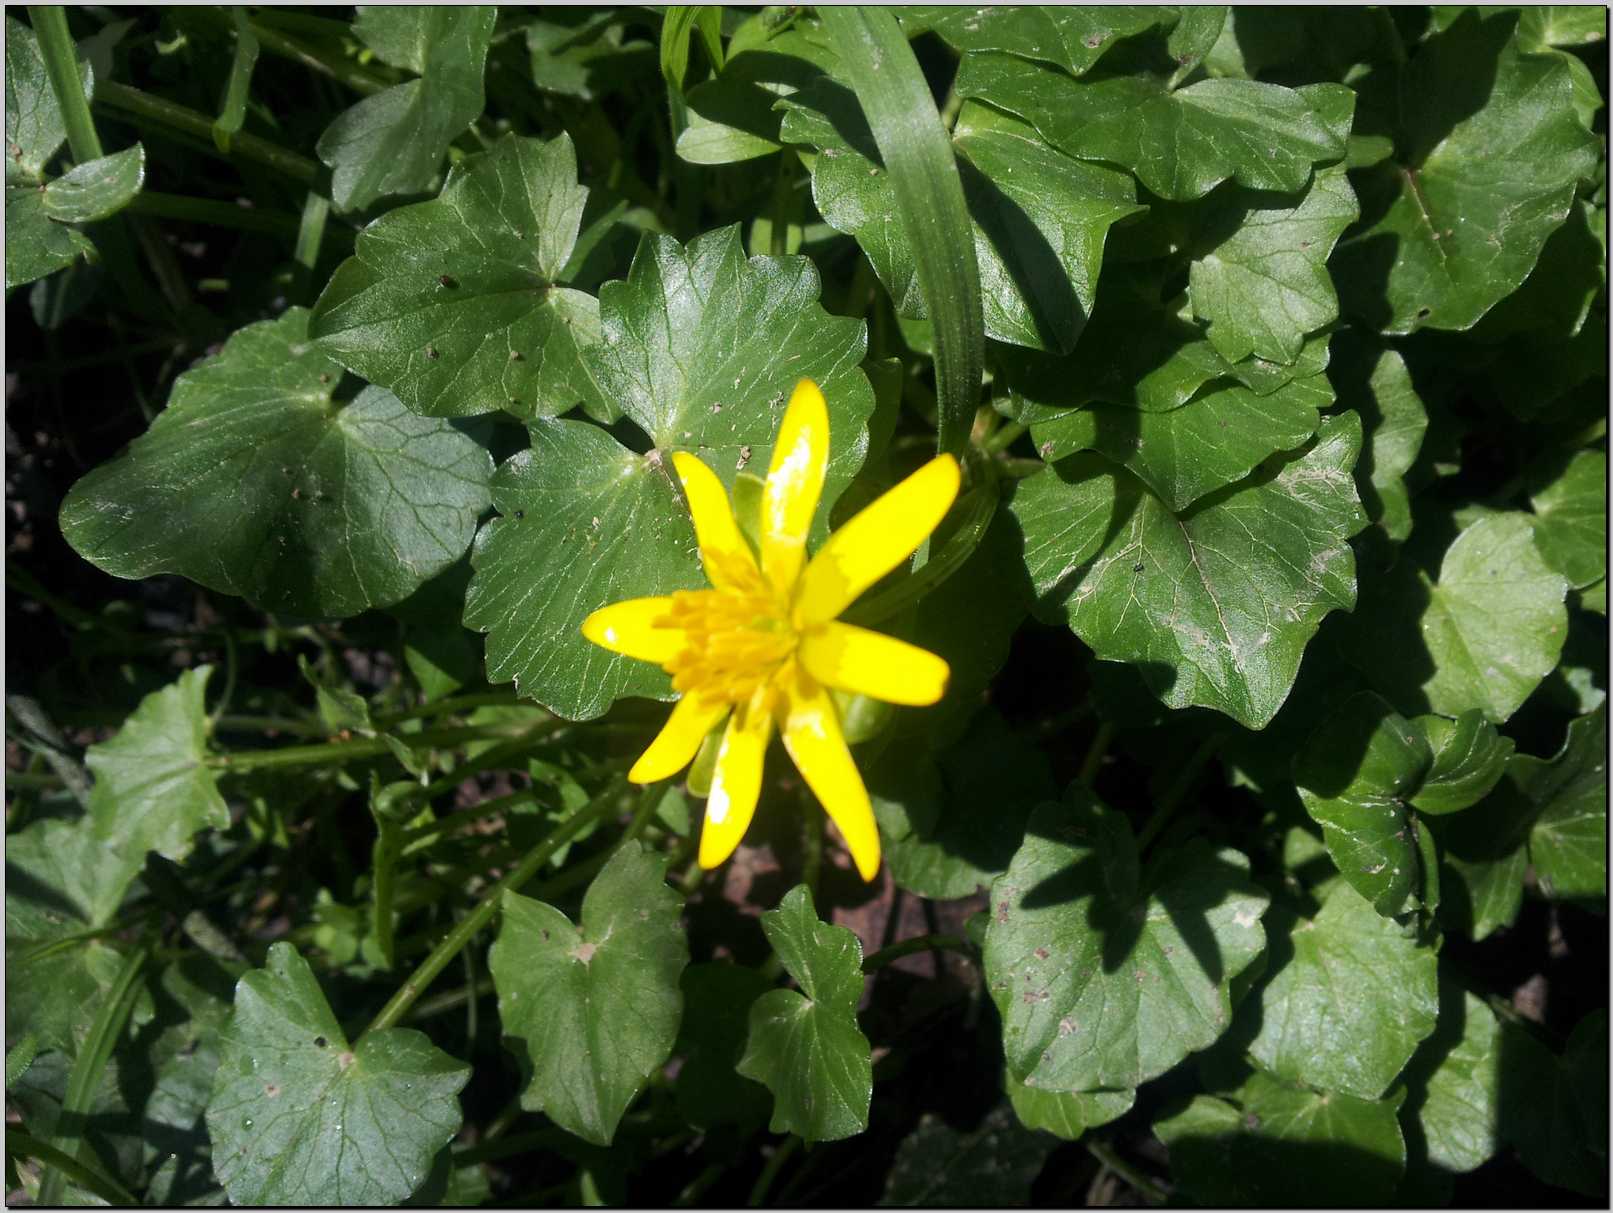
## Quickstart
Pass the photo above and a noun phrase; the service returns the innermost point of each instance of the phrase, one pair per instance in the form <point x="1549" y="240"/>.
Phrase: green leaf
<point x="1568" y="841"/>
<point x="584" y="54"/>
<point x="34" y="124"/>
<point x="717" y="998"/>
<point x="732" y="117"/>
<point x="1038" y="217"/>
<point x="1355" y="775"/>
<point x="1212" y="441"/>
<point x="1072" y="37"/>
<point x="1571" y="518"/>
<point x="584" y="522"/>
<point x="1562" y="25"/>
<point x="1554" y="1138"/>
<point x="1374" y="380"/>
<point x="1217" y="603"/>
<point x="454" y="304"/>
<point x="153" y="786"/>
<point x="1105" y="975"/>
<point x="913" y="145"/>
<point x="35" y="244"/>
<point x="592" y="1010"/>
<point x="1348" y="997"/>
<point x="1067" y="1114"/>
<point x="1180" y="144"/>
<point x="702" y="347"/>
<point x="1490" y="152"/>
<point x="254" y="481"/>
<point x="97" y="189"/>
<point x="805" y="1045"/>
<point x="1469" y="759"/>
<point x="300" y="1116"/>
<point x="61" y="881"/>
<point x="1265" y="286"/>
<point x="1276" y="1144"/>
<point x="1482" y="637"/>
<point x="927" y="799"/>
<point x="1455" y="1083"/>
<point x="990" y="1166"/>
<point x="393" y="142"/>
<point x="1484" y="895"/>
<point x="1555" y="301"/>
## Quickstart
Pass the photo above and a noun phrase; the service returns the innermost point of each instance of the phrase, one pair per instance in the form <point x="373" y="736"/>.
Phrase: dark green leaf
<point x="1277" y="1144"/>
<point x="34" y="125"/>
<point x="990" y="1166"/>
<point x="61" y="881"/>
<point x="1039" y="218"/>
<point x="1265" y="285"/>
<point x="592" y="1010"/>
<point x="454" y="304"/>
<point x="255" y="482"/>
<point x="1073" y="37"/>
<point x="1482" y="637"/>
<point x="35" y="244"/>
<point x="1568" y="842"/>
<point x="1455" y="1080"/>
<point x="1180" y="144"/>
<point x="1355" y="775"/>
<point x="717" y="998"/>
<point x="1489" y="153"/>
<point x="1571" y="518"/>
<point x="1067" y="1114"/>
<point x="1374" y="380"/>
<point x="939" y="843"/>
<point x="806" y="1046"/>
<point x="97" y="189"/>
<point x="1469" y="759"/>
<point x="393" y="142"/>
<point x="300" y="1116"/>
<point x="1349" y="996"/>
<point x="1553" y="1138"/>
<point x="153" y="787"/>
<point x="1107" y="976"/>
<point x="1214" y="604"/>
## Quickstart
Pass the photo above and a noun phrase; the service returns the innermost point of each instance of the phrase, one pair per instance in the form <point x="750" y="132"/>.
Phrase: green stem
<point x="1095" y="752"/>
<point x="1173" y="795"/>
<point x="1145" y="1187"/>
<point x="1004" y="437"/>
<point x="383" y="885"/>
<point x="23" y="1145"/>
<point x="479" y="917"/>
<point x="697" y="1186"/>
<point x="215" y="214"/>
<point x="775" y="1164"/>
<point x="449" y="999"/>
<point x="919" y="943"/>
<point x="334" y="752"/>
<point x="449" y="707"/>
<point x="111" y="95"/>
<point x="420" y="837"/>
<point x="310" y="235"/>
<point x="234" y="723"/>
<point x="85" y="1076"/>
<point x="61" y="65"/>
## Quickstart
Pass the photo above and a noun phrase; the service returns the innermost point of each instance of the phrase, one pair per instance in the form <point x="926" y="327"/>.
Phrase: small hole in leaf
<point x="320" y="1041"/>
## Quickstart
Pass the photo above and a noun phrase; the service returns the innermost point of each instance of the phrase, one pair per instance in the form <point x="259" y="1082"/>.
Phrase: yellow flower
<point x="763" y="647"/>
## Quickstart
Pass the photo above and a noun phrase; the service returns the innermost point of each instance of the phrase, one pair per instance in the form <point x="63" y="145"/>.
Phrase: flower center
<point x="738" y="637"/>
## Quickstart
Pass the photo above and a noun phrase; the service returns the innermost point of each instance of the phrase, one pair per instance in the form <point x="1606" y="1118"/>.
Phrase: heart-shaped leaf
<point x="300" y="1116"/>
<point x="153" y="787"/>
<point x="1074" y="37"/>
<point x="1106" y="976"/>
<point x="1349" y="995"/>
<point x="1214" y="604"/>
<point x="254" y="481"/>
<point x="592" y="1010"/>
<point x="805" y="1046"/>
<point x="1571" y="518"/>
<point x="454" y="304"/>
<point x="1180" y="144"/>
<point x="1355" y="776"/>
<point x="393" y="142"/>
<point x="1469" y="758"/>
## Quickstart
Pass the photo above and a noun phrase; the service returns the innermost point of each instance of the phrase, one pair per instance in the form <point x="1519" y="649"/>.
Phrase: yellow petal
<point x="629" y="628"/>
<point x="675" y="745"/>
<point x="868" y="663"/>
<point x="722" y="547"/>
<point x="876" y="541"/>
<point x="738" y="781"/>
<point x="812" y="736"/>
<point x="794" y="484"/>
